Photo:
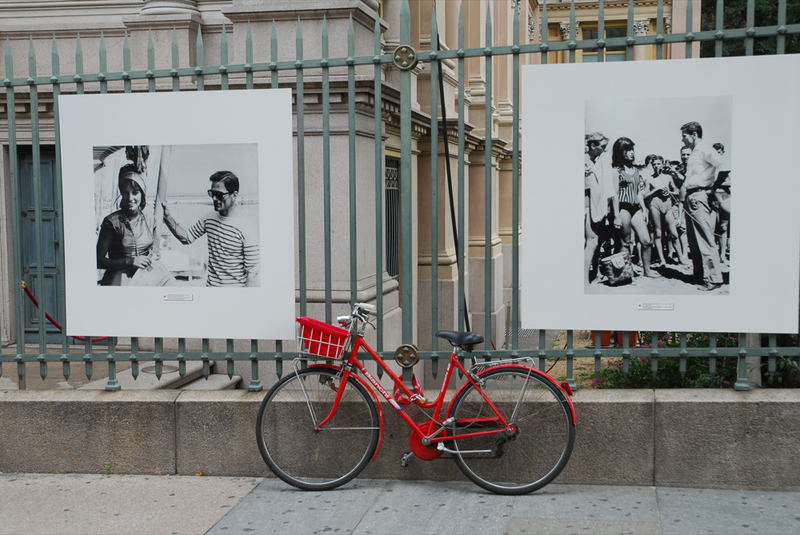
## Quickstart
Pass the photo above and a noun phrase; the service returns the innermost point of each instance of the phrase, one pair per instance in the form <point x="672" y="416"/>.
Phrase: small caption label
<point x="655" y="306"/>
<point x="178" y="297"/>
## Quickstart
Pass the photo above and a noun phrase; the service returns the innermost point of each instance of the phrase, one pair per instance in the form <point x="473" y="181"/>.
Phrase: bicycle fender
<point x="371" y="393"/>
<point x="567" y="395"/>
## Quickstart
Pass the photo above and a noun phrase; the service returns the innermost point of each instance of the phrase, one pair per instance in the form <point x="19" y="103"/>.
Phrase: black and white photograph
<point x="170" y="210"/>
<point x="657" y="196"/>
<point x="177" y="215"/>
<point x="690" y="185"/>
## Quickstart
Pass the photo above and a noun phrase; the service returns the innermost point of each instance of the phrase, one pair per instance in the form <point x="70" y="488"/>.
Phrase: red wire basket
<point x="320" y="339"/>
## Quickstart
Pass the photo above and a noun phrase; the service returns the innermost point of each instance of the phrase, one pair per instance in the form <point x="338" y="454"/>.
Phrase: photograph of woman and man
<point x="177" y="215"/>
<point x="657" y="189"/>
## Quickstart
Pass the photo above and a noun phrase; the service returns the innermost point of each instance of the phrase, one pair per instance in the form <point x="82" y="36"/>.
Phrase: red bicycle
<point x="509" y="427"/>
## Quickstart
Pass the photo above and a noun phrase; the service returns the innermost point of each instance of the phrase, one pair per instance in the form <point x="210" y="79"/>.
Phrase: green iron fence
<point x="34" y="86"/>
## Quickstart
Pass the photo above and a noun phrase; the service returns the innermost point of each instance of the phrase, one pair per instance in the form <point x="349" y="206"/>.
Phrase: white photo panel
<point x="725" y="261"/>
<point x="171" y="205"/>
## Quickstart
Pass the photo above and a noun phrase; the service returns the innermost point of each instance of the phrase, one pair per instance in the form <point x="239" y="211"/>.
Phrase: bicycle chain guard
<point x="426" y="453"/>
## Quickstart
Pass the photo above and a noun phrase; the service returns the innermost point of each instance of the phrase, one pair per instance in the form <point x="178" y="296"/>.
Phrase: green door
<point x="50" y="290"/>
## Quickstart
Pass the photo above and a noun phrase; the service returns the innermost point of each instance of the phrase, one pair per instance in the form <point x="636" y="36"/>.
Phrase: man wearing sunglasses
<point x="233" y="255"/>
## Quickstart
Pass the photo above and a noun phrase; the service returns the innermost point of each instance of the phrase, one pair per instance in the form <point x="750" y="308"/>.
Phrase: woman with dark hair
<point x="125" y="239"/>
<point x="631" y="193"/>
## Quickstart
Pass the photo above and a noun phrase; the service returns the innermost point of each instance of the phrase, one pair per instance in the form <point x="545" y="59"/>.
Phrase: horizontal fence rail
<point x="320" y="74"/>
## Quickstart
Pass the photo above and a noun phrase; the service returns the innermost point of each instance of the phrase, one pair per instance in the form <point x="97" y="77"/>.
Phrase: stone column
<point x="163" y="7"/>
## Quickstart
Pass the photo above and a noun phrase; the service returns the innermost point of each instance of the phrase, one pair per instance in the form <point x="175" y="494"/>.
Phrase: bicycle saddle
<point x="461" y="339"/>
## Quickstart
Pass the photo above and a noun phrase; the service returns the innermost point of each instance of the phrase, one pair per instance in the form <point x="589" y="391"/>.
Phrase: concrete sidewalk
<point x="153" y="505"/>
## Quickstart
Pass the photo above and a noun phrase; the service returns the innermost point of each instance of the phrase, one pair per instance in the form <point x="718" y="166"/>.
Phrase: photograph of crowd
<point x="657" y="196"/>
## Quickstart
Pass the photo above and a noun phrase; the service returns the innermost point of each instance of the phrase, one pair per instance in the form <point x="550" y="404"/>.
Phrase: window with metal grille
<point x="612" y="53"/>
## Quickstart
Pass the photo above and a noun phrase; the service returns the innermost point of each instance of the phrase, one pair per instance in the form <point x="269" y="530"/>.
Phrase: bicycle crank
<point x="426" y="453"/>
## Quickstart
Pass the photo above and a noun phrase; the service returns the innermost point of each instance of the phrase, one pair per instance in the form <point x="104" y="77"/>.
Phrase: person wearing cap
<point x="600" y="200"/>
<point x="233" y="252"/>
<point x="125" y="240"/>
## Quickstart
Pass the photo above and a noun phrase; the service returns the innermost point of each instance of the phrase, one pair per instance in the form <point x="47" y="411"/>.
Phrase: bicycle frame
<point x="353" y="361"/>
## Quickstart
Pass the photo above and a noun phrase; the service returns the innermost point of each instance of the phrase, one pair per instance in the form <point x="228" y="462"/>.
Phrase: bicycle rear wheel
<point x="526" y="459"/>
<point x="303" y="454"/>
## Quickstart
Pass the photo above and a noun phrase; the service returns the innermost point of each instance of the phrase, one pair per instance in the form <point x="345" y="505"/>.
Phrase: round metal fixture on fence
<point x="405" y="57"/>
<point x="406" y="356"/>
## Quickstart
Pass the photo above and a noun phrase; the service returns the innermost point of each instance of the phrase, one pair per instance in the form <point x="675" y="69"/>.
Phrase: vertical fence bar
<point x="59" y="229"/>
<point x="351" y="158"/>
<point x="181" y="357"/>
<point x="653" y="354"/>
<point x="301" y="169"/>
<point x="629" y="40"/>
<point x="126" y="63"/>
<point x="572" y="28"/>
<point x="749" y="41"/>
<point x="720" y="25"/>
<point x="198" y="70"/>
<point x="255" y="382"/>
<point x="134" y="358"/>
<point x="463" y="319"/>
<point x="274" y="81"/>
<point x="597" y="354"/>
<point x="544" y="47"/>
<point x="176" y="82"/>
<point x="772" y="357"/>
<point x="712" y="353"/>
<point x="16" y="223"/>
<point x="378" y="145"/>
<point x="273" y="55"/>
<point x="78" y="65"/>
<point x="223" y="58"/>
<point x="37" y="198"/>
<point x="112" y="384"/>
<point x="434" y="180"/>
<point x="151" y="62"/>
<point x="780" y="44"/>
<point x="542" y="354"/>
<point x="487" y="177"/>
<point x="326" y="169"/>
<point x="626" y="352"/>
<point x="248" y="57"/>
<point x="102" y="64"/>
<point x="515" y="185"/>
<point x="176" y="87"/>
<point x="406" y="228"/>
<point x="570" y="356"/>
<point x="660" y="30"/>
<point x="127" y="88"/>
<point x="742" y="383"/>
<point x="79" y="87"/>
<point x="601" y="31"/>
<point x="689" y="37"/>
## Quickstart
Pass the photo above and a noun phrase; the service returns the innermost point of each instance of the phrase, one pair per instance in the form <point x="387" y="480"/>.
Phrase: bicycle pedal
<point x="406" y="458"/>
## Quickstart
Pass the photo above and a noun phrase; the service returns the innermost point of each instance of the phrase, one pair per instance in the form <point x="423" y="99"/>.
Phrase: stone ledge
<point x="691" y="438"/>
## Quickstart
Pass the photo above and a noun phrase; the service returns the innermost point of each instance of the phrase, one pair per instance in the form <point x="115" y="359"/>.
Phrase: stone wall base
<point x="685" y="438"/>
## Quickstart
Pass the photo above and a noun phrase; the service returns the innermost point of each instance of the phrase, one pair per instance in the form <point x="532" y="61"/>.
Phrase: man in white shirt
<point x="704" y="172"/>
<point x="599" y="196"/>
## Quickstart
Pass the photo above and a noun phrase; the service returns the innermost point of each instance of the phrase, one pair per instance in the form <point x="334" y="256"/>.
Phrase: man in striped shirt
<point x="233" y="255"/>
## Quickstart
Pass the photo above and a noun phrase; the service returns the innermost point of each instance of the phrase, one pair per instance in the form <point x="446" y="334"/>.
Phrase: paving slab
<point x="67" y="504"/>
<point x="704" y="511"/>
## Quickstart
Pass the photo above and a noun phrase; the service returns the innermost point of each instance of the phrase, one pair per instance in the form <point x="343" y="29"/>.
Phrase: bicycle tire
<point x="303" y="456"/>
<point x="539" y="449"/>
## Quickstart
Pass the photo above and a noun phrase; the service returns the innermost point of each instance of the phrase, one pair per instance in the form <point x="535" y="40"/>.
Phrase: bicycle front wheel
<point x="304" y="453"/>
<point x="529" y="456"/>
